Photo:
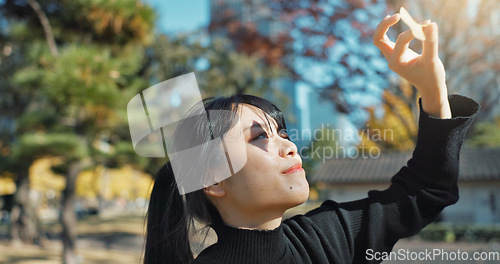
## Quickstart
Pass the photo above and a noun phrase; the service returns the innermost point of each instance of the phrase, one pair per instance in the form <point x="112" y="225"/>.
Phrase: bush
<point x="460" y="232"/>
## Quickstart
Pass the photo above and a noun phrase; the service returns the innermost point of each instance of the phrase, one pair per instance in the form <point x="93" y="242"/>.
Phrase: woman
<point x="246" y="210"/>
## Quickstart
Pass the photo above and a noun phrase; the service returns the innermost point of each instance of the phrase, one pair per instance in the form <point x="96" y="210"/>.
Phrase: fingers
<point x="401" y="45"/>
<point x="426" y="22"/>
<point x="380" y="38"/>
<point x="430" y="48"/>
<point x="384" y="25"/>
<point x="394" y="52"/>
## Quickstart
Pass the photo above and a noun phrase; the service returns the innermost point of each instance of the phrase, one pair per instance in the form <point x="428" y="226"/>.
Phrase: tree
<point x="333" y="38"/>
<point x="486" y="134"/>
<point x="78" y="94"/>
<point x="220" y="71"/>
<point x="15" y="100"/>
<point x="395" y="129"/>
<point x="74" y="62"/>
<point x="324" y="145"/>
<point x="326" y="44"/>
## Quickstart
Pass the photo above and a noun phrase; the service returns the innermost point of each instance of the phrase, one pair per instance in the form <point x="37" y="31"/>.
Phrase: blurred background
<point x="72" y="189"/>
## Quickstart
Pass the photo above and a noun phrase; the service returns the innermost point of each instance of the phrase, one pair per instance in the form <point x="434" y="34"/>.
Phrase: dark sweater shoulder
<point x="206" y="256"/>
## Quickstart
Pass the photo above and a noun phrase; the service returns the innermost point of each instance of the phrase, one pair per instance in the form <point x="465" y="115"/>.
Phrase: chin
<point x="299" y="193"/>
<point x="305" y="195"/>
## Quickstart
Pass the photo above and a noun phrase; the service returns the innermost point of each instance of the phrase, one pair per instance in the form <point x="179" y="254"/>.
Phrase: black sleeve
<point x="416" y="196"/>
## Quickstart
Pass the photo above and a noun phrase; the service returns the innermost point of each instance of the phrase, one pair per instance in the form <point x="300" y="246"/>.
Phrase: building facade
<point x="348" y="179"/>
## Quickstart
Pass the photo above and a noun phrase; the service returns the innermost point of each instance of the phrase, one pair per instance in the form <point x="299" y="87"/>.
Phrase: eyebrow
<point x="255" y="125"/>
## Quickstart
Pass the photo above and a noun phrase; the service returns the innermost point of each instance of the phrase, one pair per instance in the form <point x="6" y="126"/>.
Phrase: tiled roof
<point x="475" y="165"/>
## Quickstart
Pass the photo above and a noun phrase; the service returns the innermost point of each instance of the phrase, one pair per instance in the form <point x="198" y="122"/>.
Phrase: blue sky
<point x="180" y="15"/>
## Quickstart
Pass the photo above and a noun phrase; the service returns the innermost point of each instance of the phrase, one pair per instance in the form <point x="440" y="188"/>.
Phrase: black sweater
<point x="343" y="232"/>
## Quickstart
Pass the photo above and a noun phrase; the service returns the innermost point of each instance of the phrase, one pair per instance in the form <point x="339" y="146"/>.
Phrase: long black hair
<point x="171" y="215"/>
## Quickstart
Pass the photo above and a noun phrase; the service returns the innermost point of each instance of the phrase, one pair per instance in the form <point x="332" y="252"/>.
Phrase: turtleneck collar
<point x="249" y="246"/>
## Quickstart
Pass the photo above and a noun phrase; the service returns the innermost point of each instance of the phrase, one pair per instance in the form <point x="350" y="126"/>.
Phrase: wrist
<point x="438" y="107"/>
<point x="435" y="103"/>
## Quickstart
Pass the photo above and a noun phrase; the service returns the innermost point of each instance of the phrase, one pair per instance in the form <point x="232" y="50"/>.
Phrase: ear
<point x="216" y="190"/>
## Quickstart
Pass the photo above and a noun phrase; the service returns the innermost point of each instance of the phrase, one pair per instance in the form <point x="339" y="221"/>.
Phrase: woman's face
<point x="272" y="177"/>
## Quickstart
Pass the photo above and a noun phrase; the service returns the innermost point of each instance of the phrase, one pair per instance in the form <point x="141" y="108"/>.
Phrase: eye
<point x="284" y="134"/>
<point x="261" y="135"/>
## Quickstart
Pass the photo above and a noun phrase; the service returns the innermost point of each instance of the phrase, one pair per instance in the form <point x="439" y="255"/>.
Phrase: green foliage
<point x="486" y="134"/>
<point x="19" y="30"/>
<point x="125" y="154"/>
<point x="324" y="146"/>
<point x="173" y="56"/>
<point x="223" y="71"/>
<point x="232" y="72"/>
<point x="85" y="21"/>
<point x="37" y="121"/>
<point x="84" y="75"/>
<point x="437" y="232"/>
<point x="27" y="76"/>
<point x="80" y="95"/>
<point x="460" y="232"/>
<point x="32" y="146"/>
<point x="116" y="21"/>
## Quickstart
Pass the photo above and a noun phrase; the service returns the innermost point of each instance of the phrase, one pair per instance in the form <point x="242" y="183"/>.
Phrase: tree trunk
<point x="24" y="226"/>
<point x="68" y="216"/>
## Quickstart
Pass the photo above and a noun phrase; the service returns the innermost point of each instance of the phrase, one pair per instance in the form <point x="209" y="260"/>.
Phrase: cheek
<point x="258" y="173"/>
<point x="262" y="163"/>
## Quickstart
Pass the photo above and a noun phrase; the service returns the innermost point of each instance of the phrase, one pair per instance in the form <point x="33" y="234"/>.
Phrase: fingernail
<point x="426" y="22"/>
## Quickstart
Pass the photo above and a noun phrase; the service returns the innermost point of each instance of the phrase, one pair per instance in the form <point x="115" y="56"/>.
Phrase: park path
<point x="409" y="248"/>
<point x="119" y="240"/>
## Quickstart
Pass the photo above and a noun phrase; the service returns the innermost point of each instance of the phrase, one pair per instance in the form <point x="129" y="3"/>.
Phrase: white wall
<point x="478" y="203"/>
<point x="351" y="192"/>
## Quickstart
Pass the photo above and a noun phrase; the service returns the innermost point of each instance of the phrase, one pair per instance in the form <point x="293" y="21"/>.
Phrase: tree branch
<point x="46" y="26"/>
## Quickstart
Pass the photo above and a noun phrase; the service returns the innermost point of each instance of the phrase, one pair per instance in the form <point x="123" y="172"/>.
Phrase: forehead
<point x="249" y="114"/>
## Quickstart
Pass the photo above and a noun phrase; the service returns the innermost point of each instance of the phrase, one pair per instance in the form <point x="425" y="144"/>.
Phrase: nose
<point x="287" y="148"/>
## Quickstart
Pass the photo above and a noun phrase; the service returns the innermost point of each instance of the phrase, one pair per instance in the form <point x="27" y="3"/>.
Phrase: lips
<point x="294" y="168"/>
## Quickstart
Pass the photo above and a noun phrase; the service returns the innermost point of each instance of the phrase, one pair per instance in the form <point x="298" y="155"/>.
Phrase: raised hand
<point x="425" y="71"/>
